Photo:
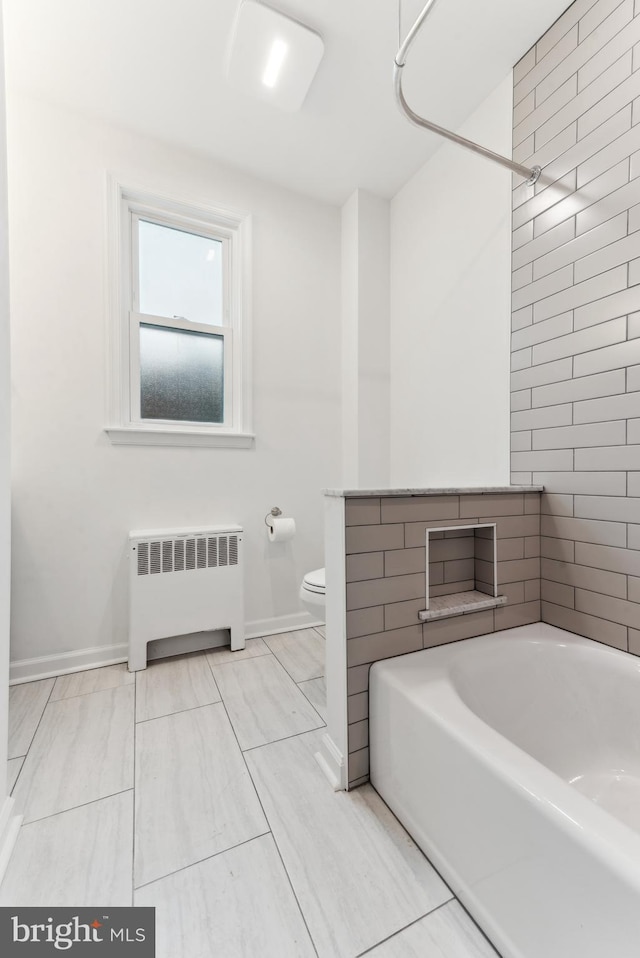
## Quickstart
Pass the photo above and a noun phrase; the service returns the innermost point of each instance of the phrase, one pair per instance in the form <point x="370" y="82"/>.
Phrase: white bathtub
<point x="514" y="762"/>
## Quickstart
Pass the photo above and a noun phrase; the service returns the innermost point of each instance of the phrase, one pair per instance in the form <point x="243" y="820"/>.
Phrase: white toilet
<point x="312" y="594"/>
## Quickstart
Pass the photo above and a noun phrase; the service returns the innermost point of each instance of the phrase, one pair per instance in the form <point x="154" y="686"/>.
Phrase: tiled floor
<point x="193" y="787"/>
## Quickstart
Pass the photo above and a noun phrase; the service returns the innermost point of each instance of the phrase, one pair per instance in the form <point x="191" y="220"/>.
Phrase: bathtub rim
<point x="609" y="840"/>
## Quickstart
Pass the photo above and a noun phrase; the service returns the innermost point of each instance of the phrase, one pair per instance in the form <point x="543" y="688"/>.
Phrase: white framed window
<point x="179" y="321"/>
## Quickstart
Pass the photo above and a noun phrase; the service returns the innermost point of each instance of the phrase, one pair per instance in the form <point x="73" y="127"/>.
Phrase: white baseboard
<point x="63" y="663"/>
<point x="280" y="623"/>
<point x="9" y="829"/>
<point x="331" y="761"/>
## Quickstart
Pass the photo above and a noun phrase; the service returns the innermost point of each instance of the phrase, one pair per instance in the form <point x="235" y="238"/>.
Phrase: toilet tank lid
<point x="315" y="578"/>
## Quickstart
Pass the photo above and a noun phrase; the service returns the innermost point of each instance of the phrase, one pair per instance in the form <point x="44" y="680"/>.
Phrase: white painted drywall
<point x="374" y="370"/>
<point x="5" y="443"/>
<point x="365" y="340"/>
<point x="76" y="495"/>
<point x="450" y="312"/>
<point x="349" y="340"/>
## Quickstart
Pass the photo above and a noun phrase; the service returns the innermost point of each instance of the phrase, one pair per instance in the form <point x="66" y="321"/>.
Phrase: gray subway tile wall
<point x="383" y="607"/>
<point x="576" y="407"/>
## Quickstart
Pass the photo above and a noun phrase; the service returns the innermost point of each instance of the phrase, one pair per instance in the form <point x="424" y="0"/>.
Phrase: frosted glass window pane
<point x="181" y="375"/>
<point x="180" y="274"/>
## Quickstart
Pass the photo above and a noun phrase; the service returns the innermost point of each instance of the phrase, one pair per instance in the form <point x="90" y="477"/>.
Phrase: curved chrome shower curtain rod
<point x="531" y="175"/>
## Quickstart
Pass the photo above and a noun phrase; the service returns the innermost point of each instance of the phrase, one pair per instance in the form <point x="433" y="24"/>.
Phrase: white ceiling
<point x="158" y="67"/>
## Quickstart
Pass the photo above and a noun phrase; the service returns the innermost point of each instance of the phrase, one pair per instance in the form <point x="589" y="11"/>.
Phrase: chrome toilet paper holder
<point x="276" y="511"/>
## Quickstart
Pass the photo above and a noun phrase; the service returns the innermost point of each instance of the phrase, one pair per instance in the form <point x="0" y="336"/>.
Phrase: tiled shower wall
<point x="385" y="572"/>
<point x="576" y="315"/>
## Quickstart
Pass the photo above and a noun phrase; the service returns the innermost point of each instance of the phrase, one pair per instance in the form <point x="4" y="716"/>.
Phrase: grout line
<point x="587" y="302"/>
<point x="293" y="891"/>
<point x="565" y="402"/>
<point x="578" y="92"/>
<point x="266" y="818"/>
<point x="563" y="190"/>
<point x="600" y="199"/>
<point x="405" y="927"/>
<point x="63" y="811"/>
<point x="191" y="708"/>
<point x="37" y="728"/>
<point x="475" y="923"/>
<point x="286" y="738"/>
<point x="547" y="54"/>
<point x="215" y="684"/>
<point x="304" y="681"/>
<point x="14" y="759"/>
<point x="80" y="695"/>
<point x="518" y="127"/>
<point x="247" y="658"/>
<point x="556" y="226"/>
<point x="200" y="861"/>
<point x="579" y="116"/>
<point x="624" y="261"/>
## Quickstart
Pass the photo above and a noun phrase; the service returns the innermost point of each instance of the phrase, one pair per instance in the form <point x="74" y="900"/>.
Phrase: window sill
<point x="150" y="436"/>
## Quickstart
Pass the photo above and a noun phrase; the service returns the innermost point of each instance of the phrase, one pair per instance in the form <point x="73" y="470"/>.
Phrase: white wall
<point x="5" y="441"/>
<point x="365" y="340"/>
<point x="76" y="495"/>
<point x="373" y="360"/>
<point x="349" y="340"/>
<point x="450" y="312"/>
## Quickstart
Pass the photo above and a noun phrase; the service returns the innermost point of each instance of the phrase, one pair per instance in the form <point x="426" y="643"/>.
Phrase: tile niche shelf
<point x="461" y="571"/>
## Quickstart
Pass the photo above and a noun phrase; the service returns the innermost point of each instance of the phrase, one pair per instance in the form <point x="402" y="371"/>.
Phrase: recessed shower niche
<point x="461" y="570"/>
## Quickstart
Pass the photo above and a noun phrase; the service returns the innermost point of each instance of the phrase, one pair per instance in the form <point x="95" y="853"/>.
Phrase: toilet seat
<point x="314" y="582"/>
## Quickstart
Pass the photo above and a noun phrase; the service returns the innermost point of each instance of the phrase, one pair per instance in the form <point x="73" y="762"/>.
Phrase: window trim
<point x="234" y="228"/>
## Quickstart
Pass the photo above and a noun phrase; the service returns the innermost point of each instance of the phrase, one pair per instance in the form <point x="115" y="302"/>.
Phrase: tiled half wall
<point x="576" y="315"/>
<point x="385" y="572"/>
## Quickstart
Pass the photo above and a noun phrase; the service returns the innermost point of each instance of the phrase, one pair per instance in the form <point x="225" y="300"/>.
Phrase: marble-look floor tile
<point x="26" y="705"/>
<point x="356" y="873"/>
<point x="236" y="905"/>
<point x="194" y="796"/>
<point x="13" y="770"/>
<point x="316" y="692"/>
<point x="174" y="685"/>
<point x="82" y="751"/>
<point x="91" y="680"/>
<point x="78" y="858"/>
<point x="253" y="647"/>
<point x="301" y="653"/>
<point x="264" y="704"/>
<point x="447" y="933"/>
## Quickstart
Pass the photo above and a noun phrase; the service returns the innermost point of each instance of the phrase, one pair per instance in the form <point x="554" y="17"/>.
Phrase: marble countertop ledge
<point x="460" y="603"/>
<point x="451" y="491"/>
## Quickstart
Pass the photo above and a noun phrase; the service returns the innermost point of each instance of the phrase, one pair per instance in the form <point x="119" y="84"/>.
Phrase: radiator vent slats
<point x="233" y="550"/>
<point x="212" y="559"/>
<point x="187" y="553"/>
<point x="154" y="561"/>
<point x="143" y="558"/>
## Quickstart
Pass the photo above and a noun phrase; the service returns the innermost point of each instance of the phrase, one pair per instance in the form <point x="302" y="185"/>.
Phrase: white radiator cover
<point x="184" y="581"/>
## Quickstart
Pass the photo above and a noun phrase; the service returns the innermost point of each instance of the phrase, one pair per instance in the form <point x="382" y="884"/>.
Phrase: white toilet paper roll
<point x="280" y="528"/>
